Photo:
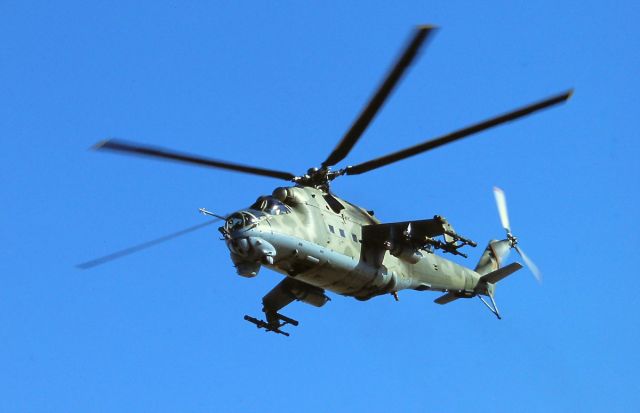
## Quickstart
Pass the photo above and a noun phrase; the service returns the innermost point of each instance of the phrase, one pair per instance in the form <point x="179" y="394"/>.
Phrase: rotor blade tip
<point x="85" y="265"/>
<point x="99" y="145"/>
<point x="570" y="93"/>
<point x="427" y="27"/>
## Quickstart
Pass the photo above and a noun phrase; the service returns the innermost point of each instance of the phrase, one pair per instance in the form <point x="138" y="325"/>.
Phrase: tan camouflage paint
<point x="310" y="221"/>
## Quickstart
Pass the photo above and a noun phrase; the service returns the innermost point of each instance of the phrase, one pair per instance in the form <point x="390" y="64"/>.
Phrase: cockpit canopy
<point x="266" y="204"/>
<point x="270" y="205"/>
<point x="239" y="220"/>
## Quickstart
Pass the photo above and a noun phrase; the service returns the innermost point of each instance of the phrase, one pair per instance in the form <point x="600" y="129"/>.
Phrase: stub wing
<point x="395" y="231"/>
<point x="377" y="239"/>
<point x="404" y="239"/>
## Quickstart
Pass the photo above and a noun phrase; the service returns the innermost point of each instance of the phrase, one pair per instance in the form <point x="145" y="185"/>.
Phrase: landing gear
<point x="493" y="307"/>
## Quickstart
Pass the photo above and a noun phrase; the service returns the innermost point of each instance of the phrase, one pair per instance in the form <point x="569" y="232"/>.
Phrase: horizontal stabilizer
<point x="497" y="275"/>
<point x="446" y="299"/>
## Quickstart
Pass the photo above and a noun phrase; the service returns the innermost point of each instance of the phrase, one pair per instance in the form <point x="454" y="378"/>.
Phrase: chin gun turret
<point x="249" y="253"/>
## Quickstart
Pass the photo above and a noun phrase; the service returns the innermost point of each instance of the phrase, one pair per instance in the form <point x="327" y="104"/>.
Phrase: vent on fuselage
<point x="333" y="203"/>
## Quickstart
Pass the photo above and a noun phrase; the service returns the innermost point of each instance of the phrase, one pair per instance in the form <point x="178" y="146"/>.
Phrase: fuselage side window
<point x="333" y="231"/>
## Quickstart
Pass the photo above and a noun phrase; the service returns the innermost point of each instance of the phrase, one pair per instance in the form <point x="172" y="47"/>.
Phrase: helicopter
<point x="323" y="243"/>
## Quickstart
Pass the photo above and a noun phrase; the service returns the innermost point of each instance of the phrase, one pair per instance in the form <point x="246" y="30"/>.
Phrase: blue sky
<point x="277" y="86"/>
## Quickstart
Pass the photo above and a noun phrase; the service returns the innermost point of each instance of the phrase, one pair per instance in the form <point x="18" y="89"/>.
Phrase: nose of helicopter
<point x="251" y="248"/>
<point x="248" y="247"/>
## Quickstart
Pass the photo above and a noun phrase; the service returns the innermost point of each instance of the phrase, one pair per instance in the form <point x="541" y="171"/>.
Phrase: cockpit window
<point x="239" y="220"/>
<point x="270" y="205"/>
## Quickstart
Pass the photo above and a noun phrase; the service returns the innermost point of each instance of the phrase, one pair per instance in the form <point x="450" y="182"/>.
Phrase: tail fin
<point x="493" y="256"/>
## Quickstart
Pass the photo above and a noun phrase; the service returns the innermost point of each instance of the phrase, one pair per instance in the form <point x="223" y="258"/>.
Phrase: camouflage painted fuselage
<point x="318" y="241"/>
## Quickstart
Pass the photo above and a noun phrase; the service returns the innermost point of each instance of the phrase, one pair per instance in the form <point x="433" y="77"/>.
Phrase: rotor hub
<point x="318" y="178"/>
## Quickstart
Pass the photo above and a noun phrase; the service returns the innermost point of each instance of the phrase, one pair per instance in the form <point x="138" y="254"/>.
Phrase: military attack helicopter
<point x="321" y="242"/>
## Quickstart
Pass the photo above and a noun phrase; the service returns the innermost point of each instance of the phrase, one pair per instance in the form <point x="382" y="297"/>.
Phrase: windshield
<point x="270" y="205"/>
<point x="239" y="220"/>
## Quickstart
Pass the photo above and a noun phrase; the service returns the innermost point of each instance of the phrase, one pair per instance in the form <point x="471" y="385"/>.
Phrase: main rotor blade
<point x="137" y="149"/>
<point x="369" y="112"/>
<point x="501" y="202"/>
<point x="459" y="134"/>
<point x="137" y="248"/>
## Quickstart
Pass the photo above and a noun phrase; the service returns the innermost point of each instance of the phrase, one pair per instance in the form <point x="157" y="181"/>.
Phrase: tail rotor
<point x="501" y="203"/>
